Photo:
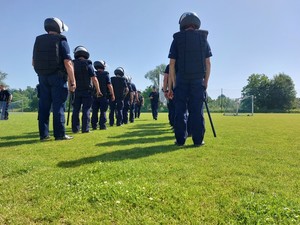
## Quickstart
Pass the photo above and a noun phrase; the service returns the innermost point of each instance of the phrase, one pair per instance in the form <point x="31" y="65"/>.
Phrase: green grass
<point x="249" y="174"/>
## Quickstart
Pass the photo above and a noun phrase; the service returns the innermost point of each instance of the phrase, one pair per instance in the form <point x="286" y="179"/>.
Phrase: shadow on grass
<point x="143" y="139"/>
<point x="134" y="153"/>
<point x="15" y="140"/>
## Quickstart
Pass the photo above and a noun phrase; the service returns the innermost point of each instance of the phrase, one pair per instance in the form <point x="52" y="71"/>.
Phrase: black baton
<point x="208" y="113"/>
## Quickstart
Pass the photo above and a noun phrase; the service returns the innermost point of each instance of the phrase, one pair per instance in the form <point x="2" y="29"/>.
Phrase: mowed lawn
<point x="249" y="174"/>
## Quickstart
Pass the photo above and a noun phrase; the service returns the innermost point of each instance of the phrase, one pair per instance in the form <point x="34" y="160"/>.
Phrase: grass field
<point x="249" y="174"/>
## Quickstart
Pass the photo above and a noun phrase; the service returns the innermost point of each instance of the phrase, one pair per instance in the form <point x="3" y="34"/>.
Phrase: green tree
<point x="258" y="86"/>
<point x="145" y="93"/>
<point x="282" y="93"/>
<point x="153" y="75"/>
<point x="2" y="77"/>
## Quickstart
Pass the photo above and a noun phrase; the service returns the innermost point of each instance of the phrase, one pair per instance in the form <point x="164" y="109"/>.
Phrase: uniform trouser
<point x="131" y="112"/>
<point x="117" y="106"/>
<point x="171" y="111"/>
<point x="3" y="109"/>
<point x="189" y="98"/>
<point x="82" y="99"/>
<point x="125" y="111"/>
<point x="102" y="104"/>
<point x="6" y="111"/>
<point x="53" y="92"/>
<point x="154" y="109"/>
<point x="137" y="110"/>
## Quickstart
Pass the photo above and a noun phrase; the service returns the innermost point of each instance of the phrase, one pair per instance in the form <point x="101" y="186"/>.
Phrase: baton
<point x="69" y="108"/>
<point x="208" y="113"/>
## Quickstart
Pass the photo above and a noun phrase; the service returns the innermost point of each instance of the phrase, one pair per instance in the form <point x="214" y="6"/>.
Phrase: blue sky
<point x="246" y="36"/>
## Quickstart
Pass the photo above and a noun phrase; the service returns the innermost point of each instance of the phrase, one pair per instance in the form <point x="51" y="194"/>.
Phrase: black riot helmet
<point x="189" y="19"/>
<point x="55" y="24"/>
<point x="119" y="71"/>
<point x="100" y="64"/>
<point x="81" y="51"/>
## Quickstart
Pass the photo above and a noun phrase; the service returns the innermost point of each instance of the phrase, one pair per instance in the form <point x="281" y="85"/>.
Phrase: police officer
<point x="85" y="77"/>
<point x="191" y="53"/>
<point x="154" y="96"/>
<point x="139" y="104"/>
<point x="170" y="104"/>
<point x="120" y="91"/>
<point x="133" y="100"/>
<point x="101" y="103"/>
<point x="53" y="64"/>
<point x="127" y="101"/>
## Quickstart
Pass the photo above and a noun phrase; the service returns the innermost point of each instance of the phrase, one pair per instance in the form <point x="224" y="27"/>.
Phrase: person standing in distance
<point x="85" y="77"/>
<point x="53" y="64"/>
<point x="101" y="103"/>
<point x="154" y="96"/>
<point x="191" y="53"/>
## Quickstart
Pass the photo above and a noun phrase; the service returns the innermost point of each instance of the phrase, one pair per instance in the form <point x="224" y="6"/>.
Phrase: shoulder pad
<point x="62" y="37"/>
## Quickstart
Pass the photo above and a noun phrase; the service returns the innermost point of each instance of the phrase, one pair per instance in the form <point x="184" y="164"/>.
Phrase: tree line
<point x="277" y="94"/>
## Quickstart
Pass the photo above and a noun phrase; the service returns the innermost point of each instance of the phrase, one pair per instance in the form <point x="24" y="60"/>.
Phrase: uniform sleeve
<point x="173" y="51"/>
<point x="65" y="50"/>
<point x="108" y="80"/>
<point x="91" y="71"/>
<point x="208" y="51"/>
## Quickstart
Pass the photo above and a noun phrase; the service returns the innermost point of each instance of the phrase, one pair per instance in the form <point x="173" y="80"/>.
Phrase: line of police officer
<point x="58" y="73"/>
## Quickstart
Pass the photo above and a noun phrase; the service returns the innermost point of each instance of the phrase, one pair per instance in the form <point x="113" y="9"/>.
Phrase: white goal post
<point x="16" y="106"/>
<point x="240" y="106"/>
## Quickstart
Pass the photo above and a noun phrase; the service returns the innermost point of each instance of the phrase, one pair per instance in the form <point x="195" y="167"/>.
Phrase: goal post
<point x="16" y="106"/>
<point x="240" y="106"/>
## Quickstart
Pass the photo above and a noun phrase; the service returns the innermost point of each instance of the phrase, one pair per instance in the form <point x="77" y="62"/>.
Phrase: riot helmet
<point x="55" y="24"/>
<point x="129" y="78"/>
<point x="189" y="19"/>
<point x="119" y="71"/>
<point x="81" y="51"/>
<point x="99" y="64"/>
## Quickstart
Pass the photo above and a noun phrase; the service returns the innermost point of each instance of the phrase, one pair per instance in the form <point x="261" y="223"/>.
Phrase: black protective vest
<point x="46" y="54"/>
<point x="119" y="85"/>
<point x="191" y="46"/>
<point x="83" y="79"/>
<point x="102" y="76"/>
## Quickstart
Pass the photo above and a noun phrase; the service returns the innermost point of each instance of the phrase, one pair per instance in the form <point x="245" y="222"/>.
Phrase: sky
<point x="246" y="37"/>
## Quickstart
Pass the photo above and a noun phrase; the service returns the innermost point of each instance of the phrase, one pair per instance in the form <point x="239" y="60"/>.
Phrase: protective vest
<point x="102" y="78"/>
<point x="119" y="85"/>
<point x="83" y="79"/>
<point x="46" y="54"/>
<point x="191" y="46"/>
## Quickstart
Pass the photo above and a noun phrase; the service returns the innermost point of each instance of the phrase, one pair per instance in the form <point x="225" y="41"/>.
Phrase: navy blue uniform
<point x="127" y="103"/>
<point x="170" y="104"/>
<point x="4" y="103"/>
<point x="154" y="96"/>
<point x="190" y="50"/>
<point x="101" y="102"/>
<point x="132" y="105"/>
<point x="138" y="105"/>
<point x="119" y="85"/>
<point x="84" y="71"/>
<point x="49" y="53"/>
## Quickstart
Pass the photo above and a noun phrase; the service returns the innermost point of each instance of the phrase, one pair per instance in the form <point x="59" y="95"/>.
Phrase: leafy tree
<point x="258" y="85"/>
<point x="153" y="75"/>
<point x="282" y="93"/>
<point x="277" y="94"/>
<point x="2" y="77"/>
